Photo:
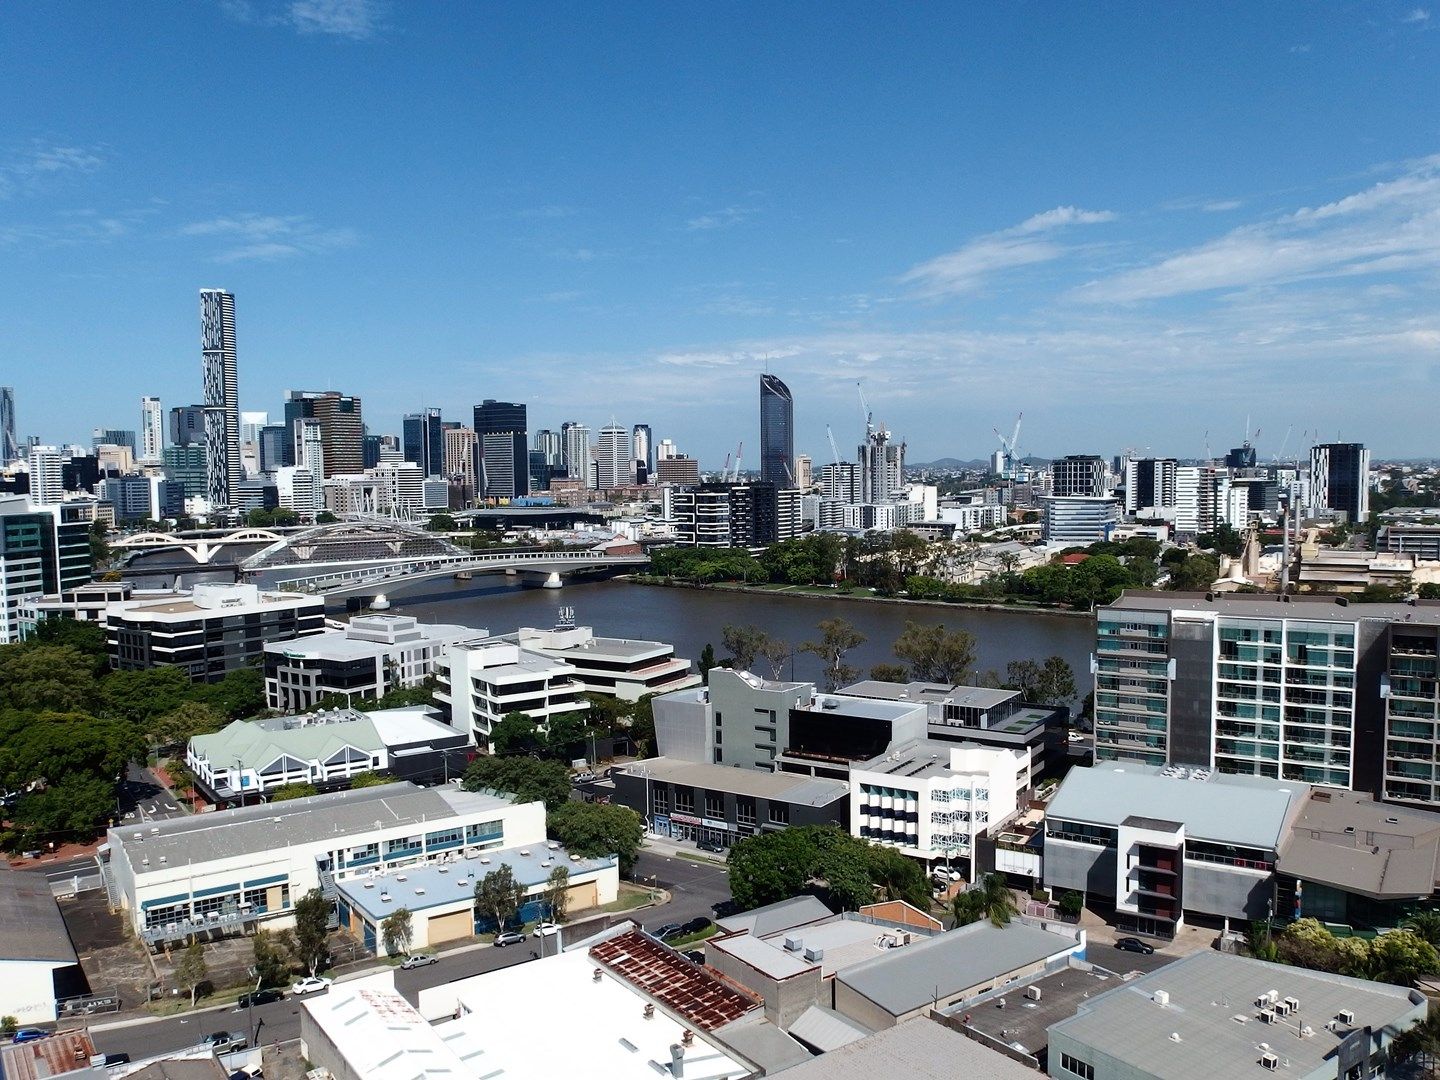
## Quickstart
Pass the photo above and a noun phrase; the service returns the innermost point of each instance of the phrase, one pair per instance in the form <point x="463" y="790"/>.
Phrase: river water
<point x="691" y="618"/>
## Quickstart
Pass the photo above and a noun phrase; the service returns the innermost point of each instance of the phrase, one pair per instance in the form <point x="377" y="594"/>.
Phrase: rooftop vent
<point x="385" y="898"/>
<point x="369" y="884"/>
<point x="595" y="975"/>
<point x="814" y="955"/>
<point x="1345" y="1016"/>
<point x="1174" y="1036"/>
<point x="1162" y="998"/>
<point x="420" y="890"/>
<point x="524" y="851"/>
<point x="649" y="1010"/>
<point x="1392" y="821"/>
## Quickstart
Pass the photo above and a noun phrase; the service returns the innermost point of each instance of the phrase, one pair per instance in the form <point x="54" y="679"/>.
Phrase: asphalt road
<point x="1121" y="962"/>
<point x="695" y="887"/>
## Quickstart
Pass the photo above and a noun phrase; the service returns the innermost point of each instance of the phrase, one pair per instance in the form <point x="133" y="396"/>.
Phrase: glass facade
<point x="777" y="433"/>
<point x="1411" y="747"/>
<point x="1132" y="686"/>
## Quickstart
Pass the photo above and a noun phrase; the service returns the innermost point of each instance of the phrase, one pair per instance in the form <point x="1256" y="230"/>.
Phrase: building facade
<point x="777" y="433"/>
<point x="501" y="429"/>
<point x="220" y="380"/>
<point x="9" y="444"/>
<point x="423" y="441"/>
<point x="152" y="430"/>
<point x="44" y="551"/>
<point x="481" y="684"/>
<point x="1340" y="479"/>
<point x="1078" y="476"/>
<point x="1079" y="520"/>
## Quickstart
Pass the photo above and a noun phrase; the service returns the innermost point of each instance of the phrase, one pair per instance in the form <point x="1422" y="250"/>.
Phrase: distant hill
<point x="977" y="464"/>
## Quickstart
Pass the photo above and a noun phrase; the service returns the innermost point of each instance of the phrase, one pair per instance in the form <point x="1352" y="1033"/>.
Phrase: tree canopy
<point x="594" y="830"/>
<point x="528" y="779"/>
<point x="837" y="637"/>
<point x="935" y="654"/>
<point x="770" y="867"/>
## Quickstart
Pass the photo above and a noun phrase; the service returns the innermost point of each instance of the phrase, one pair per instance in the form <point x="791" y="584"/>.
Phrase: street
<point x="695" y="887"/>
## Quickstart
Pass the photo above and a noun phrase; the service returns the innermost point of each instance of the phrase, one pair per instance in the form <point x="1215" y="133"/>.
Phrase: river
<point x="691" y="618"/>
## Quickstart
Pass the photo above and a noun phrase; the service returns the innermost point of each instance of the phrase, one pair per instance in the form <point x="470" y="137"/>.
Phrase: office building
<point x="112" y="437"/>
<point x="142" y="498"/>
<point x="614" y="463"/>
<point x="424" y="441"/>
<point x="250" y="759"/>
<point x="300" y="490"/>
<point x="552" y="446"/>
<point x="777" y="433"/>
<point x="214" y="629"/>
<point x="1149" y="484"/>
<point x="462" y="465"/>
<point x="1408" y="538"/>
<point x="44" y="551"/>
<point x="643" y="451"/>
<point x="187" y="425"/>
<point x="1202" y="498"/>
<point x="308" y="451"/>
<point x="185" y="465"/>
<point x="1241" y="457"/>
<point x="1078" y="476"/>
<point x="371" y="656"/>
<point x="882" y="467"/>
<point x="677" y="470"/>
<point x="342" y="429"/>
<point x="250" y="865"/>
<point x="666" y="449"/>
<point x="623" y="668"/>
<point x="9" y="444"/>
<point x="274" y="450"/>
<point x="500" y="427"/>
<point x="1079" y="520"/>
<point x="479" y="684"/>
<point x="152" y="430"/>
<point x="1340" y="479"/>
<point x="739" y="719"/>
<point x="804" y="472"/>
<point x="47" y="478"/>
<point x="575" y="445"/>
<point x="220" y="381"/>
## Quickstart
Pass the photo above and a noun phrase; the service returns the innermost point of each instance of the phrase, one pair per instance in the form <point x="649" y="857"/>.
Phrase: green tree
<point x="75" y="808"/>
<point x="837" y="637"/>
<point x="240" y="694"/>
<point x="191" y="970"/>
<point x="54" y="747"/>
<point x="298" y="790"/>
<point x="1196" y="574"/>
<point x="8" y="1026"/>
<point x="1056" y="685"/>
<point x="370" y="779"/>
<point x="1400" y="959"/>
<point x="642" y="726"/>
<point x="312" y="916"/>
<point x="897" y="673"/>
<point x="770" y="867"/>
<point x="272" y="954"/>
<point x="499" y="895"/>
<point x="1224" y="540"/>
<point x="396" y="932"/>
<point x="743" y="643"/>
<point x="527" y="779"/>
<point x="442" y="523"/>
<point x="140" y="696"/>
<point x="1024" y="676"/>
<point x="1071" y="904"/>
<point x="85" y="637"/>
<point x="515" y="733"/>
<point x="936" y="654"/>
<point x="178" y="726"/>
<point x="325" y="517"/>
<point x="990" y="898"/>
<point x="1425" y="923"/>
<point x="557" y="893"/>
<point x="58" y="677"/>
<point x="594" y="830"/>
<point x="707" y="661"/>
<point x="565" y="739"/>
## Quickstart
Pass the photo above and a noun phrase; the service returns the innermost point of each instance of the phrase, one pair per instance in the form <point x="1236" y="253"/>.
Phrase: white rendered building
<point x="480" y="684"/>
<point x="625" y="668"/>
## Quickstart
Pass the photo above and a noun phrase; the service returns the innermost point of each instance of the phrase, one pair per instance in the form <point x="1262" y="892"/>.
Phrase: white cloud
<point x="965" y="269"/>
<point x="29" y="170"/>
<point x="268" y="237"/>
<point x="1417" y="15"/>
<point x="1389" y="227"/>
<point x="720" y="219"/>
<point x="354" y="19"/>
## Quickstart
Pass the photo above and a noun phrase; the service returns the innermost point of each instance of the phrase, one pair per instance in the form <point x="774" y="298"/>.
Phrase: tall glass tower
<point x="9" y="448"/>
<point x="222" y="391"/>
<point x="777" y="433"/>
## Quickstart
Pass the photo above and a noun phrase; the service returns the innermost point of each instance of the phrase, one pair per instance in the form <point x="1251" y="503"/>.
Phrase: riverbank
<point x="859" y="595"/>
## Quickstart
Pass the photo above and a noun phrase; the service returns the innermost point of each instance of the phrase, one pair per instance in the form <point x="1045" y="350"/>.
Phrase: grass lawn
<point x="631" y="897"/>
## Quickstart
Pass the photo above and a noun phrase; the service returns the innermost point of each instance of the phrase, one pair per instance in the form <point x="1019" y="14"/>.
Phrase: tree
<point x="140" y="696"/>
<point x="1071" y="904"/>
<point x="370" y="779"/>
<point x="837" y="637"/>
<point x="325" y="517"/>
<point x="897" y="673"/>
<point x="990" y="898"/>
<point x="557" y="893"/>
<point x="527" y="779"/>
<point x="298" y="790"/>
<point x="58" y="677"/>
<point x="936" y="654"/>
<point x="272" y="954"/>
<point x="75" y="808"/>
<point x="1400" y="959"/>
<point x="442" y="523"/>
<point x="1426" y="924"/>
<point x="707" y="661"/>
<point x="312" y="917"/>
<point x="1056" y="685"/>
<point x="776" y="652"/>
<point x="769" y="867"/>
<point x="514" y="733"/>
<point x="1024" y="676"/>
<point x="499" y="895"/>
<point x="565" y="737"/>
<point x="1196" y="574"/>
<point x="191" y="970"/>
<point x="595" y="830"/>
<point x="183" y="723"/>
<point x="238" y="695"/>
<point x="54" y="747"/>
<point x="743" y="643"/>
<point x="396" y="932"/>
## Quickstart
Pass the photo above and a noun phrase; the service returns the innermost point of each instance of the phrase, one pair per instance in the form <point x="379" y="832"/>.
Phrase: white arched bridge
<point x="201" y="546"/>
<point x="547" y="568"/>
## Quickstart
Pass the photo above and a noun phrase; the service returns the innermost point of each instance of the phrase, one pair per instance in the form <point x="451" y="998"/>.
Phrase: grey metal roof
<point x="782" y="787"/>
<point x="826" y="1030"/>
<point x="761" y="1043"/>
<point x="1271" y="606"/>
<point x="245" y="830"/>
<point x="772" y="918"/>
<point x="31" y="927"/>
<point x="905" y="979"/>
<point x="762" y="956"/>
<point x="1246" y="810"/>
<point x="919" y="1050"/>
<point x="1208" y="991"/>
<point x="1350" y="841"/>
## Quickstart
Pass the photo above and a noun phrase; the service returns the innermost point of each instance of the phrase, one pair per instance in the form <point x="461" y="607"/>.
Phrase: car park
<point x="508" y="937"/>
<point x="311" y="985"/>
<point x="1135" y="945"/>
<point x="695" y="925"/>
<point x="416" y="960"/>
<point x="259" y="997"/>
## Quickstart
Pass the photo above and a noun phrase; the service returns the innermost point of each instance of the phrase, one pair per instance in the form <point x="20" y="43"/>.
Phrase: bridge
<point x="202" y="546"/>
<point x="548" y="568"/>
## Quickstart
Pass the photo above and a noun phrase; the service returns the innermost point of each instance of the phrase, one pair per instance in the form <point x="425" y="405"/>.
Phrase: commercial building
<point x="233" y="869"/>
<point x="718" y="804"/>
<point x="1213" y="1014"/>
<point x="1150" y="485"/>
<point x="342" y="430"/>
<point x="500" y="427"/>
<point x="1410" y="538"/>
<point x="44" y="551"/>
<point x="38" y="965"/>
<point x="423" y="441"/>
<point x="840" y="480"/>
<point x="575" y="446"/>
<point x="186" y="466"/>
<point x="47" y="477"/>
<point x="738" y="719"/>
<point x="924" y="1050"/>
<point x="462" y="465"/>
<point x="214" y="629"/>
<point x="676" y="470"/>
<point x="142" y="498"/>
<point x="1078" y="521"/>
<point x="614" y="460"/>
<point x="1078" y="476"/>
<point x="1340" y="479"/>
<point x="220" y="381"/>
<point x="777" y="433"/>
<point x="249" y="759"/>
<point x="479" y="684"/>
<point x="624" y="668"/>
<point x="371" y="656"/>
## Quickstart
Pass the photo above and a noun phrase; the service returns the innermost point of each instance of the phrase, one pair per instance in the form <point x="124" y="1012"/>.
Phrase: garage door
<point x="581" y="896"/>
<point x="452" y="927"/>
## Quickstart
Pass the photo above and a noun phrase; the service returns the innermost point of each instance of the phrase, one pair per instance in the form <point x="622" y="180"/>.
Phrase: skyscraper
<point x="882" y="467"/>
<point x="504" y="451"/>
<point x="1078" y="475"/>
<point x="1340" y="479"/>
<point x="187" y="425"/>
<point x="220" y="380"/>
<point x="576" y="444"/>
<point x="643" y="443"/>
<point x="218" y="487"/>
<point x="47" y="480"/>
<point x="342" y="423"/>
<point x="152" y="430"/>
<point x="462" y="461"/>
<point x="309" y="452"/>
<point x="612" y="458"/>
<point x="777" y="433"/>
<point x="9" y="446"/>
<point x="424" y="441"/>
<point x="552" y="446"/>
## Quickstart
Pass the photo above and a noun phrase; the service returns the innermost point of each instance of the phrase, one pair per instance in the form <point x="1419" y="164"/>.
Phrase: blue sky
<point x="1137" y="223"/>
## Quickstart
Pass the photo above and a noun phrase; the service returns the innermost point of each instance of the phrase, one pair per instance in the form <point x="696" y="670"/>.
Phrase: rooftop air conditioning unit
<point x="1033" y="993"/>
<point x="420" y="891"/>
<point x="1345" y="1016"/>
<point x="1269" y="1061"/>
<point x="793" y="944"/>
<point x="1293" y="1003"/>
<point x="1161" y="998"/>
<point x="1267" y="1016"/>
<point x="814" y="955"/>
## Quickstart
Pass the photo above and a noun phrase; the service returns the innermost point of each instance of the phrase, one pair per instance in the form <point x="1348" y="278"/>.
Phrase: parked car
<point x="508" y="937"/>
<point x="711" y="845"/>
<point x="24" y="1035"/>
<point x="108" y="1061"/>
<point x="224" y="1042"/>
<point x="1135" y="945"/>
<point x="259" y="997"/>
<point x="584" y="778"/>
<point x="547" y="929"/>
<point x="695" y="925"/>
<point x="695" y="956"/>
<point x="311" y="984"/>
<point x="416" y="960"/>
<point x="669" y="930"/>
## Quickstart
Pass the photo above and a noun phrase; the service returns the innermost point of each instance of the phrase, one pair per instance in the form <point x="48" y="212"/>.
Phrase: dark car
<point x="695" y="925"/>
<point x="669" y="930"/>
<point x="1135" y="945"/>
<point x="695" y="956"/>
<point x="25" y="1035"/>
<point x="108" y="1061"/>
<point x="259" y="997"/>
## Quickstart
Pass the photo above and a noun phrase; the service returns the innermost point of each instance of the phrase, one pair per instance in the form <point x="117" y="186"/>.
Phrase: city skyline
<point x="1063" y="212"/>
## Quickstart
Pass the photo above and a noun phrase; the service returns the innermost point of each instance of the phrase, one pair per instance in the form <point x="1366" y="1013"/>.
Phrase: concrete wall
<point x="683" y="729"/>
<point x="27" y="990"/>
<point x="1084" y="867"/>
<point x="1220" y="890"/>
<point x="785" y="999"/>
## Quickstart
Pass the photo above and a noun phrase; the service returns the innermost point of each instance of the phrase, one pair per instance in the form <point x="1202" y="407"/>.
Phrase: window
<point x="779" y="813"/>
<point x="745" y="810"/>
<point x="685" y="800"/>
<point x="714" y="805"/>
<point x="718" y="740"/>
<point x="1075" y="1066"/>
<point x="659" y="800"/>
<point x="719" y="756"/>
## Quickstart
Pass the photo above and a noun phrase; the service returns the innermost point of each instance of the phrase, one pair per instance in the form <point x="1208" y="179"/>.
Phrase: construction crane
<point x="1011" y="447"/>
<point x="739" y="455"/>
<point x="865" y="408"/>
<point x="833" y="448"/>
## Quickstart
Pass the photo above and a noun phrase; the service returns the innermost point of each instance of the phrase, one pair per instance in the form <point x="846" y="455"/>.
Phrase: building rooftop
<point x="785" y="787"/>
<point x="931" y="969"/>
<point x="340" y="645"/>
<point x="870" y="708"/>
<point x="826" y="1030"/>
<point x="442" y="884"/>
<point x="920" y="1050"/>
<point x="1024" y="1023"/>
<point x="924" y="759"/>
<point x="31" y="927"/>
<point x="245" y="830"/>
<point x="775" y="917"/>
<point x="54" y="1056"/>
<point x="759" y="1041"/>
<point x="974" y="697"/>
<point x="1247" y="810"/>
<point x="1349" y="841"/>
<point x="581" y="641"/>
<point x="696" y="994"/>
<point x="842" y="941"/>
<point x="1268" y="606"/>
<point x="1210" y="1025"/>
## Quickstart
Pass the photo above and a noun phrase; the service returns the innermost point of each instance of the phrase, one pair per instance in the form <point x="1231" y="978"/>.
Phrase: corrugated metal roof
<point x="826" y="1030"/>
<point x="919" y="1050"/>
<point x="31" y="927"/>
<point x="773" y="918"/>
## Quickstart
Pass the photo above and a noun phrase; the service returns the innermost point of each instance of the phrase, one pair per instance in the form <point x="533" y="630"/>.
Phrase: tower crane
<point x="1010" y="447"/>
<point x="739" y="454"/>
<point x="833" y="448"/>
<point x="865" y="408"/>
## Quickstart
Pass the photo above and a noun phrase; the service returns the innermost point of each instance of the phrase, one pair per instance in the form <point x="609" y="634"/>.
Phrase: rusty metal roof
<point x="697" y="994"/>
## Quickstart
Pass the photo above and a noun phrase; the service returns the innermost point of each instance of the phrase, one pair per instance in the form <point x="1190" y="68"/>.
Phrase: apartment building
<point x="480" y="684"/>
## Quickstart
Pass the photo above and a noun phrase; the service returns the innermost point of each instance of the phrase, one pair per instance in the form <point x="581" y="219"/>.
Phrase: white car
<point x="311" y="985"/>
<point x="546" y="929"/>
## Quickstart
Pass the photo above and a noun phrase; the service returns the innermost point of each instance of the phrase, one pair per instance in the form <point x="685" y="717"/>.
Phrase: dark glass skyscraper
<point x="500" y="428"/>
<point x="424" y="443"/>
<point x="777" y="433"/>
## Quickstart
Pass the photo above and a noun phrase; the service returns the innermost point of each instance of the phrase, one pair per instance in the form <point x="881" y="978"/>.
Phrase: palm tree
<point x="990" y="897"/>
<point x="1426" y="924"/>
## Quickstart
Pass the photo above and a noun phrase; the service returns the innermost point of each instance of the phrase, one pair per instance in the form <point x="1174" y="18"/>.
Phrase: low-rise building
<point x="234" y="869"/>
<point x="625" y="668"/>
<point x="1215" y="1014"/>
<point x="249" y="759"/>
<point x="480" y="684"/>
<point x="38" y="965"/>
<point x="213" y="630"/>
<point x="738" y="719"/>
<point x="371" y="656"/>
<point x="1079" y="520"/>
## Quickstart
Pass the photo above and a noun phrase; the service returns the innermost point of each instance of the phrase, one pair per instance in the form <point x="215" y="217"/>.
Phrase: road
<point x="1121" y="962"/>
<point x="695" y="887"/>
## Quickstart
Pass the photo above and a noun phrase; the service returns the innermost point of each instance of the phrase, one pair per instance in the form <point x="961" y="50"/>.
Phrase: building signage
<point x="711" y="823"/>
<point x="685" y="819"/>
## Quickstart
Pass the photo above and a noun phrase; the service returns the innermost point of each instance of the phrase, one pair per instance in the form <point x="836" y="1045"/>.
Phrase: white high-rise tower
<point x="152" y="431"/>
<point x="221" y="390"/>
